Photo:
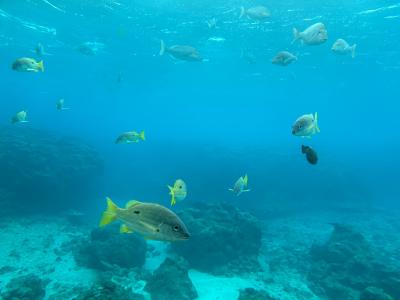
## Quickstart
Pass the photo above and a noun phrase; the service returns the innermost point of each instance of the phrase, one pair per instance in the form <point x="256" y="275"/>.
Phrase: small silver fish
<point x="284" y="58"/>
<point x="306" y="126"/>
<point x="19" y="117"/>
<point x="240" y="186"/>
<point x="182" y="52"/>
<point x="343" y="48"/>
<point x="27" y="64"/>
<point x="258" y="13"/>
<point x="315" y="34"/>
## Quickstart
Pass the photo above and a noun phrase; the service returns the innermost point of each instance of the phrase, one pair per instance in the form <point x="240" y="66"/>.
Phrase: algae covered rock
<point x="171" y="281"/>
<point x="45" y="166"/>
<point x="347" y="265"/>
<point x="27" y="287"/>
<point x="253" y="294"/>
<point x="107" y="247"/>
<point x="222" y="238"/>
<point x="373" y="293"/>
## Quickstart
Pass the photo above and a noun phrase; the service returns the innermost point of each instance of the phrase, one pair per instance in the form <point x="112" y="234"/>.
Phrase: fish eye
<point x="136" y="212"/>
<point x="180" y="186"/>
<point x="176" y="228"/>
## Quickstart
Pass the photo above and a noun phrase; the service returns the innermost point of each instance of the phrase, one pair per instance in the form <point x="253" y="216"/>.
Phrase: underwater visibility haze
<point x="175" y="149"/>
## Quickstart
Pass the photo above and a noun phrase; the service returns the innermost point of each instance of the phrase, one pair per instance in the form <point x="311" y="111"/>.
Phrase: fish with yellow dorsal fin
<point x="240" y="185"/>
<point x="151" y="220"/>
<point x="130" y="137"/>
<point x="306" y="126"/>
<point x="27" y="64"/>
<point x="178" y="192"/>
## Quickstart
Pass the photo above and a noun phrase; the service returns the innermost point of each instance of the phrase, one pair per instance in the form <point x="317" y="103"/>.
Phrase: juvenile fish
<point x="311" y="155"/>
<point x="240" y="186"/>
<point x="306" y="126"/>
<point x="19" y="117"/>
<point x="258" y="13"/>
<point x="178" y="192"/>
<point x="130" y="137"/>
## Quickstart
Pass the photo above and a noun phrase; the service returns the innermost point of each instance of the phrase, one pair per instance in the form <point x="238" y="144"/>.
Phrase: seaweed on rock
<point x="223" y="239"/>
<point x="27" y="287"/>
<point x="171" y="281"/>
<point x="107" y="247"/>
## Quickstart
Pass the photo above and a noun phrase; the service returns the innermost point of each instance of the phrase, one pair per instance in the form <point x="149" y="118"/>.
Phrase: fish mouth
<point x="185" y="236"/>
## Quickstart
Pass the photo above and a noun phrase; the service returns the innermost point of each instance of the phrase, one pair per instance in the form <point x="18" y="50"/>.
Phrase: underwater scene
<point x="199" y="149"/>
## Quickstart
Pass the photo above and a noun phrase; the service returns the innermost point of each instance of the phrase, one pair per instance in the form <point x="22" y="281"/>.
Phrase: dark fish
<point x="311" y="155"/>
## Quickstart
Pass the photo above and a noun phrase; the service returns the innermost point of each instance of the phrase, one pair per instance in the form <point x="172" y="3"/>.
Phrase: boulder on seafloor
<point x="223" y="239"/>
<point x="347" y="265"/>
<point x="56" y="171"/>
<point x="171" y="281"/>
<point x="27" y="287"/>
<point x="253" y="294"/>
<point x="106" y="247"/>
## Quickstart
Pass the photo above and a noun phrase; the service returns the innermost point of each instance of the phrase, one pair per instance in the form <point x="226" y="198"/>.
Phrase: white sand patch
<point x="210" y="287"/>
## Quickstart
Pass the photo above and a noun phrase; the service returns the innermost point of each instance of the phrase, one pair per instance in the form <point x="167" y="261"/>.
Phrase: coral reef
<point x="47" y="166"/>
<point x="107" y="247"/>
<point x="171" y="281"/>
<point x="27" y="287"/>
<point x="347" y="265"/>
<point x="223" y="239"/>
<point x="253" y="294"/>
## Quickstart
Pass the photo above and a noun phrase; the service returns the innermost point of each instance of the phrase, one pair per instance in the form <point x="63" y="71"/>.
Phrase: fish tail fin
<point x="162" y="48"/>
<point x="171" y="192"/>
<point x="303" y="149"/>
<point x="353" y="50"/>
<point x="142" y="137"/>
<point x="110" y="214"/>
<point x="242" y="12"/>
<point x="41" y="66"/>
<point x="296" y="35"/>
<point x="316" y="122"/>
<point x="246" y="179"/>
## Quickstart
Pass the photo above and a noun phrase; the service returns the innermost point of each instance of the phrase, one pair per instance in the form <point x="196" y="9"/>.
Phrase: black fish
<point x="311" y="155"/>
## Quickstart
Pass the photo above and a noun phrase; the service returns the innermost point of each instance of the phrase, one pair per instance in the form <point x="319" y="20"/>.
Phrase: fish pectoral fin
<point x="125" y="229"/>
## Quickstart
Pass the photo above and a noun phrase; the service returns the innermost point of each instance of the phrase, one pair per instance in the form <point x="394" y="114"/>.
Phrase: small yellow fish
<point x="26" y="64"/>
<point x="240" y="185"/>
<point x="151" y="220"/>
<point x="178" y="192"/>
<point x="19" y="117"/>
<point x="130" y="137"/>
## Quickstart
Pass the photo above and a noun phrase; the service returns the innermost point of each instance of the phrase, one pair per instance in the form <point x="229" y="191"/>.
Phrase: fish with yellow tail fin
<point x="130" y="137"/>
<point x="306" y="126"/>
<point x="27" y="64"/>
<point x="178" y="192"/>
<point x="240" y="185"/>
<point x="151" y="220"/>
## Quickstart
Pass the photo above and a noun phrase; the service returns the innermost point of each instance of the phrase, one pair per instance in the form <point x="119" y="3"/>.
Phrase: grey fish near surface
<point x="151" y="220"/>
<point x="311" y="155"/>
<point x="284" y="58"/>
<point x="343" y="47"/>
<point x="258" y="13"/>
<point x="182" y="52"/>
<point x="315" y="34"/>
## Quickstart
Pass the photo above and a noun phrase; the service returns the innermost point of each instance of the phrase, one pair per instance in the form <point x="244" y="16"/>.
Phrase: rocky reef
<point x="46" y="166"/>
<point x="27" y="287"/>
<point x="346" y="267"/>
<point x="171" y="281"/>
<point x="106" y="247"/>
<point x="253" y="294"/>
<point x="223" y="239"/>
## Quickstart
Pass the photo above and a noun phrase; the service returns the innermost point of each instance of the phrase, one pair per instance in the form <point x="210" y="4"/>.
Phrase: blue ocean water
<point x="206" y="122"/>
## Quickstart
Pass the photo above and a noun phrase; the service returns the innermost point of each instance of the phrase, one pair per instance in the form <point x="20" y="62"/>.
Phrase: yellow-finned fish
<point x="240" y="185"/>
<point x="306" y="126"/>
<point x="178" y="192"/>
<point x="151" y="220"/>
<point x="26" y="64"/>
<point x="19" y="117"/>
<point x="130" y="137"/>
